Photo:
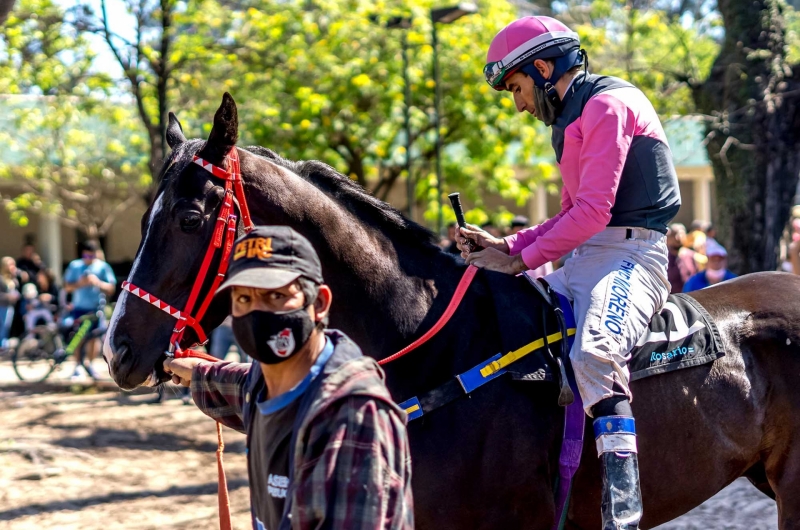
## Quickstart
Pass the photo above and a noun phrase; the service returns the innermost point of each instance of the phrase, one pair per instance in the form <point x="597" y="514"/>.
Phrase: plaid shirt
<point x="352" y="467"/>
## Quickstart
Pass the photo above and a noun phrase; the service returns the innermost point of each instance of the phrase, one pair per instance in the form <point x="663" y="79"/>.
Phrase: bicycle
<point x="41" y="350"/>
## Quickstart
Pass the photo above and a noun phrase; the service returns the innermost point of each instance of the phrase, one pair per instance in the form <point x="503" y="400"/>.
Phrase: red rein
<point x="461" y="290"/>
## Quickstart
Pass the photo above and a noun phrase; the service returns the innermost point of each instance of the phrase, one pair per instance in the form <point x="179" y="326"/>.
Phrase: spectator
<point x="696" y="240"/>
<point x="518" y="223"/>
<point x="36" y="309"/>
<point x="9" y="295"/>
<point x="489" y="227"/>
<point x="90" y="280"/>
<point x="681" y="264"/>
<point x="698" y="225"/>
<point x="29" y="263"/>
<point x="222" y="339"/>
<point x="715" y="271"/>
<point x="794" y="257"/>
<point x="449" y="245"/>
<point x="46" y="284"/>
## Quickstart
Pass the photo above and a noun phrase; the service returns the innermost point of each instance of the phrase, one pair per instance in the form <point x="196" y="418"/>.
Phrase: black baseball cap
<point x="270" y="257"/>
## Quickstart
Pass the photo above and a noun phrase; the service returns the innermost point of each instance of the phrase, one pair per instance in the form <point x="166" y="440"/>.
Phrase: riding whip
<point x="455" y="200"/>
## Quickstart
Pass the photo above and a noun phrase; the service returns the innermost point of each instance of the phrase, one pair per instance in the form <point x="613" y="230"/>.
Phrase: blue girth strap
<point x="475" y="377"/>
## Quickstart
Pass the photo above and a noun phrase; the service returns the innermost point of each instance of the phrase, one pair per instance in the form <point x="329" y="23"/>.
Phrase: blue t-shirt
<point x="699" y="281"/>
<point x="88" y="298"/>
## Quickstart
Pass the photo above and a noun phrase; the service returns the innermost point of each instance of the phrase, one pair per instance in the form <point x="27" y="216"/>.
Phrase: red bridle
<point x="225" y="226"/>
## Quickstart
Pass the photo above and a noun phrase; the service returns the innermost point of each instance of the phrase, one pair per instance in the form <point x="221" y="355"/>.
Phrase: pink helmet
<point x="523" y="41"/>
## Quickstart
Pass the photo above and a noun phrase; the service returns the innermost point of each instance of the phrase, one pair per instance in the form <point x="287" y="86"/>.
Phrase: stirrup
<point x="621" y="504"/>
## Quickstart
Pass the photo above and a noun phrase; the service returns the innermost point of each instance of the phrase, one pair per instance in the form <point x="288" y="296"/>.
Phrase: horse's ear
<point x="175" y="135"/>
<point x="225" y="131"/>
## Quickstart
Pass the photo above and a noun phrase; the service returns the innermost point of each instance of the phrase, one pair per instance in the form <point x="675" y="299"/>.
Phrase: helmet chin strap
<point x="574" y="57"/>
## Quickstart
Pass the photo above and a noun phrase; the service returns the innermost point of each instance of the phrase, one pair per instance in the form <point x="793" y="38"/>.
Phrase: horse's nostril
<point x="119" y="356"/>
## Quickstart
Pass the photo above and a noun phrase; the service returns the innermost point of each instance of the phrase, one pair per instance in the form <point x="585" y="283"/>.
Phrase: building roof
<point x="685" y="135"/>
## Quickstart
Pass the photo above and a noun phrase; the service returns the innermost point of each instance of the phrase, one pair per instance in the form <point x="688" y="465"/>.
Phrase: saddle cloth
<point x="681" y="335"/>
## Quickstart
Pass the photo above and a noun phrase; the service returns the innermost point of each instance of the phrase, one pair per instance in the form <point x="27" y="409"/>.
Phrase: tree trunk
<point x="5" y="9"/>
<point x="752" y="97"/>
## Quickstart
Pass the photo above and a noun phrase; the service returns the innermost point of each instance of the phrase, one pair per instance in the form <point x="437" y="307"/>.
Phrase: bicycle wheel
<point x="33" y="359"/>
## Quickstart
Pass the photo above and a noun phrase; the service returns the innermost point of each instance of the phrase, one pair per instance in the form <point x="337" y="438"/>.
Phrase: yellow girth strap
<point x="516" y="355"/>
<point x="412" y="408"/>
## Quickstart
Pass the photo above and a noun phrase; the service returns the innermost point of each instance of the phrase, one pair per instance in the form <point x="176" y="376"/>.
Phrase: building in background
<point x="59" y="244"/>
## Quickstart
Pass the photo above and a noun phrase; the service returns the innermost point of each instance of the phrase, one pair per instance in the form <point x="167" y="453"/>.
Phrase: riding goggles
<point x="496" y="71"/>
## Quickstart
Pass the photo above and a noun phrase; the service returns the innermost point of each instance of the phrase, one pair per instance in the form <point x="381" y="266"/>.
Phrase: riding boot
<point x="621" y="504"/>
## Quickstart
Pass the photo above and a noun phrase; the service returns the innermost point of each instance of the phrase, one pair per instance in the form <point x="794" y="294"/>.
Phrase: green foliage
<point x="84" y="165"/>
<point x="660" y="54"/>
<point x="39" y="54"/>
<point x="68" y="151"/>
<point x="325" y="81"/>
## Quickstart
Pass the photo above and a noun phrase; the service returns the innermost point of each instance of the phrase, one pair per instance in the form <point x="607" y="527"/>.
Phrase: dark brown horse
<point x="488" y="461"/>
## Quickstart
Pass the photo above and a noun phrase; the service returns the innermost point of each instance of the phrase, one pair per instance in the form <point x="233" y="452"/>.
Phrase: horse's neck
<point x="382" y="290"/>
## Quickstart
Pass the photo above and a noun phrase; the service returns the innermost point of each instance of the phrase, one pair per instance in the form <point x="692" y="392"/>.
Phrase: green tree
<point x="324" y="80"/>
<point x="752" y="98"/>
<point x="170" y="37"/>
<point x="70" y="151"/>
<point x="82" y="163"/>
<point x="41" y="55"/>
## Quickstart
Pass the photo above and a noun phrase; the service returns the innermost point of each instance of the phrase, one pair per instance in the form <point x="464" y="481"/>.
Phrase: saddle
<point x="538" y="343"/>
<point x="681" y="335"/>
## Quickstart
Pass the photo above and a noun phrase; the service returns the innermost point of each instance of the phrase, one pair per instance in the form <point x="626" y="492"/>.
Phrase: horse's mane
<point x="353" y="197"/>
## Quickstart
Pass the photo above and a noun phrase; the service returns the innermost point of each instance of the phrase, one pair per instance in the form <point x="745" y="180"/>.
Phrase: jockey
<point x="620" y="191"/>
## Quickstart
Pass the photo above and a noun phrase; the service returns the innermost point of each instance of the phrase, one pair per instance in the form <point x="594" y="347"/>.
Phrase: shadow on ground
<point x="79" y="504"/>
<point x="139" y="439"/>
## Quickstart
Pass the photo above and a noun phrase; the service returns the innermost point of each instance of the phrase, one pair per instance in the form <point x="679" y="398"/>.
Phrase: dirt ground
<point x="84" y="458"/>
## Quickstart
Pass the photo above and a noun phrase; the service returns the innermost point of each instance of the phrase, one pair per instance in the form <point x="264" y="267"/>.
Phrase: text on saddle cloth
<point x="680" y="336"/>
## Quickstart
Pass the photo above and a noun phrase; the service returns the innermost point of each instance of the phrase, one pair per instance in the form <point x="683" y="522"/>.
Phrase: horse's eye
<point x="191" y="222"/>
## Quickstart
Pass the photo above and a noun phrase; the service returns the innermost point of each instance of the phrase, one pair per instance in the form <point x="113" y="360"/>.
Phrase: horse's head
<point x="176" y="230"/>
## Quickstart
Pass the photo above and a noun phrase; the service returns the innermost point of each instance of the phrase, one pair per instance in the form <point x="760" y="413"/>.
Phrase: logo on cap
<point x="257" y="247"/>
<point x="282" y="343"/>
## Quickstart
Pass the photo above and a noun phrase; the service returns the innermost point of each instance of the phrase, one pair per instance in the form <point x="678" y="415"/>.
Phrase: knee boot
<point x="621" y="505"/>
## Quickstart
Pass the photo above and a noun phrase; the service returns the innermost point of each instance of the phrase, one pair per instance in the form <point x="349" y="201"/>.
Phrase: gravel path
<point x="738" y="507"/>
<point x="100" y="461"/>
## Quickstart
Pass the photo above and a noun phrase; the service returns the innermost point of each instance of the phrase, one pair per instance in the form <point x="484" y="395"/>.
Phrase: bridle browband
<point x="224" y="232"/>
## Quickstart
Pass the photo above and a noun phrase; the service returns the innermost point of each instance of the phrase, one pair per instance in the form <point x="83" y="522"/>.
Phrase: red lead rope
<point x="223" y="498"/>
<point x="461" y="290"/>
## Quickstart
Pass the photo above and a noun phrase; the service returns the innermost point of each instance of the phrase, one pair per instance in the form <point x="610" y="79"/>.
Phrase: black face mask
<point x="271" y="338"/>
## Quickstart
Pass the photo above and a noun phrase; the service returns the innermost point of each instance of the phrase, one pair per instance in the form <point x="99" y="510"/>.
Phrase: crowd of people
<point x="27" y="286"/>
<point x="30" y="295"/>
<point x="696" y="260"/>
